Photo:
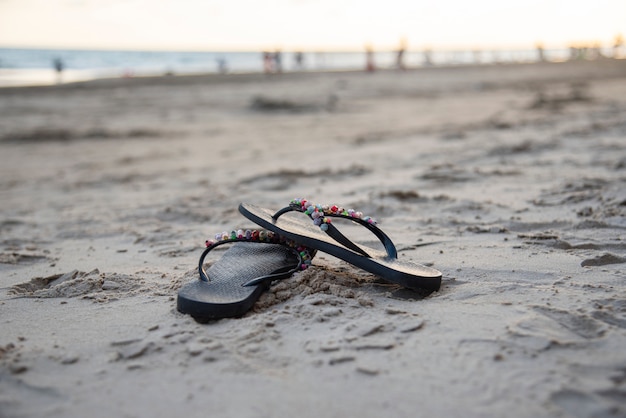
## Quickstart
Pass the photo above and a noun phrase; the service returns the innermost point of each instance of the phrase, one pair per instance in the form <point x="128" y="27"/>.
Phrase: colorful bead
<point x="319" y="213"/>
<point x="263" y="236"/>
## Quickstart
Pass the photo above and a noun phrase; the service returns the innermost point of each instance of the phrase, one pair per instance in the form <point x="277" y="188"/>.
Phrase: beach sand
<point x="515" y="175"/>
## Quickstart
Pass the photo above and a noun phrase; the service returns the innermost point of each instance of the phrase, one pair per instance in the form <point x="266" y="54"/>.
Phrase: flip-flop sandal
<point x="322" y="235"/>
<point x="232" y="284"/>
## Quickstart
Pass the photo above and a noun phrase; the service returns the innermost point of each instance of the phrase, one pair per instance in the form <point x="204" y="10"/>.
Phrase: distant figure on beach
<point x="400" y="55"/>
<point x="268" y="62"/>
<point x="369" y="59"/>
<point x="618" y="44"/>
<point x="596" y="51"/>
<point x="428" y="59"/>
<point x="59" y="66"/>
<point x="577" y="52"/>
<point x="299" y="60"/>
<point x="541" y="57"/>
<point x="477" y="54"/>
<point x="222" y="66"/>
<point x="272" y="62"/>
<point x="278" y="61"/>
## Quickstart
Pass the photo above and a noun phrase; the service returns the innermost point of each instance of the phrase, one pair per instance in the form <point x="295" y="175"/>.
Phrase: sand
<point x="514" y="174"/>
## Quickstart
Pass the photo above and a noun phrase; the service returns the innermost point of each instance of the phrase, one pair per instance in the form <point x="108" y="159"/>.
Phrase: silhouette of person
<point x="268" y="64"/>
<point x="222" y="66"/>
<point x="477" y="56"/>
<point x="278" y="65"/>
<point x="428" y="59"/>
<point x="541" y="57"/>
<point x="596" y="51"/>
<point x="618" y="44"/>
<point x="369" y="59"/>
<point x="299" y="60"/>
<point x="59" y="66"/>
<point x="400" y="55"/>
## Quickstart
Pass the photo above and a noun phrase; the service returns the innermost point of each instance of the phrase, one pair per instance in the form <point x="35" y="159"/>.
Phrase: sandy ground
<point x="516" y="175"/>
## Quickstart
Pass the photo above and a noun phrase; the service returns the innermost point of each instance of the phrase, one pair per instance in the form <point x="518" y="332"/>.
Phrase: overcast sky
<point x="307" y="24"/>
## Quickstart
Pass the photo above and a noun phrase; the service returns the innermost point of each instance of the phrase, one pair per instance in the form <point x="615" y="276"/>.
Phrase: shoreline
<point x="247" y="75"/>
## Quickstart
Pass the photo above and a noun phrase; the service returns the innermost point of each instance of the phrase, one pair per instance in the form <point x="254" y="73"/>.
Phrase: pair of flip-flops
<point x="232" y="284"/>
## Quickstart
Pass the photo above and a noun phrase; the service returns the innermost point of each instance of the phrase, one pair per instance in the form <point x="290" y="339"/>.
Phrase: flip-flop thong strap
<point x="263" y="237"/>
<point x="320" y="214"/>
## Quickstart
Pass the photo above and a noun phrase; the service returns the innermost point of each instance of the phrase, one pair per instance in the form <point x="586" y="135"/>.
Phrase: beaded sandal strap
<point x="263" y="237"/>
<point x="321" y="214"/>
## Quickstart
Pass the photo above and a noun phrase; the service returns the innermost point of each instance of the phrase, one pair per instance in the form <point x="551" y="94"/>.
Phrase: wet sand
<point x="515" y="175"/>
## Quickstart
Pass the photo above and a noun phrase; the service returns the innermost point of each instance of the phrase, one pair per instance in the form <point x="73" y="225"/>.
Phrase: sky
<point x="249" y="25"/>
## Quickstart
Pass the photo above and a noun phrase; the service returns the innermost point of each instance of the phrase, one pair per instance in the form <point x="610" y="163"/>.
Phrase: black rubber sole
<point x="224" y="295"/>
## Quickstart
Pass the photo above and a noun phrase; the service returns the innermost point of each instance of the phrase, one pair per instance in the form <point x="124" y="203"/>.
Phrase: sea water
<point x="36" y="66"/>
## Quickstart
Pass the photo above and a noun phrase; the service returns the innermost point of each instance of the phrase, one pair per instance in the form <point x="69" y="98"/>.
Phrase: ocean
<point x="36" y="66"/>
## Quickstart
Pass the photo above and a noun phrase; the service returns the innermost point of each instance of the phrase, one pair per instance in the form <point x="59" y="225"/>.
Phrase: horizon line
<point x="385" y="48"/>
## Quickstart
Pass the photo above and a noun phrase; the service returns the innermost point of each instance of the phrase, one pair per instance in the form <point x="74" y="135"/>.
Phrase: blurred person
<point x="596" y="51"/>
<point x="59" y="66"/>
<point x="400" y="55"/>
<point x="477" y="54"/>
<point x="541" y="57"/>
<point x="268" y="62"/>
<point x="428" y="59"/>
<point x="299" y="60"/>
<point x="222" y="65"/>
<point x="278" y="61"/>
<point x="618" y="44"/>
<point x="369" y="59"/>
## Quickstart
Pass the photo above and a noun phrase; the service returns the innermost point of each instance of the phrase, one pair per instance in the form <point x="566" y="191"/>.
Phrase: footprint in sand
<point x="611" y="311"/>
<point x="579" y="404"/>
<point x="77" y="284"/>
<point x="603" y="260"/>
<point x="548" y="327"/>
